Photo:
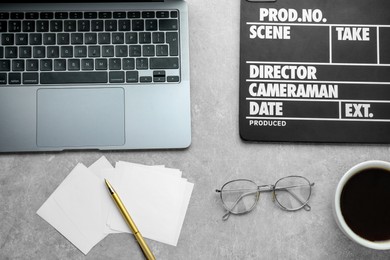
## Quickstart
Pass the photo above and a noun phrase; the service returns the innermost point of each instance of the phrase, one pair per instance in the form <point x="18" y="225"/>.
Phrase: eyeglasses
<point x="241" y="196"/>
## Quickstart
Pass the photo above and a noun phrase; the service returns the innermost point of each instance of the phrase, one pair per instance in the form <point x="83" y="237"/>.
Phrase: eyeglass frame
<point x="268" y="188"/>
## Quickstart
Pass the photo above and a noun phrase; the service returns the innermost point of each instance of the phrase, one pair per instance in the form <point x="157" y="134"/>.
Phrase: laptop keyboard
<point x="46" y="48"/>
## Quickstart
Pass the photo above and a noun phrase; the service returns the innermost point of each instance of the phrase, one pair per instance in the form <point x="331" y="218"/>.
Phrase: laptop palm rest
<point x="80" y="117"/>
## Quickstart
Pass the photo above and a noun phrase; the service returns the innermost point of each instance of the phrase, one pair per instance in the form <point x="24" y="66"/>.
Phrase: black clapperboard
<point x="315" y="71"/>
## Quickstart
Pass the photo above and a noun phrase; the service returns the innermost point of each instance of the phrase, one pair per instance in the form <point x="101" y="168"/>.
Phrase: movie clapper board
<point x="315" y="71"/>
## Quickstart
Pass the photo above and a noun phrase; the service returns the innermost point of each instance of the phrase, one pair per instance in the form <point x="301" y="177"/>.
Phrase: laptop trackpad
<point x="79" y="117"/>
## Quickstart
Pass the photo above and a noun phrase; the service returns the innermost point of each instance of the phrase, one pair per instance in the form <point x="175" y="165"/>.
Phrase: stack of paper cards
<point x="82" y="209"/>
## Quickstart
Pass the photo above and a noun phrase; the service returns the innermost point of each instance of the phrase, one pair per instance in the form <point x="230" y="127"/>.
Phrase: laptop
<point x="94" y="75"/>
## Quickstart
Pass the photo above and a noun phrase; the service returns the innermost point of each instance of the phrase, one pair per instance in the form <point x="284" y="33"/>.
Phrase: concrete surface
<point x="216" y="155"/>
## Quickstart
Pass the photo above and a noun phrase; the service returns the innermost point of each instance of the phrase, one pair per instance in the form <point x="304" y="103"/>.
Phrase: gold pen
<point x="146" y="250"/>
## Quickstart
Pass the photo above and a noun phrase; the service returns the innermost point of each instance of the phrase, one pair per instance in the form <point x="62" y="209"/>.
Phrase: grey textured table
<point x="216" y="155"/>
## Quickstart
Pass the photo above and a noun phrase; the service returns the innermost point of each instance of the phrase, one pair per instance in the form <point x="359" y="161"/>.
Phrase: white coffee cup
<point x="380" y="245"/>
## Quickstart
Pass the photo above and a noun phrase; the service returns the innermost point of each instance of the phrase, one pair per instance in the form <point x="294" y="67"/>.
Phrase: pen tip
<point x="109" y="186"/>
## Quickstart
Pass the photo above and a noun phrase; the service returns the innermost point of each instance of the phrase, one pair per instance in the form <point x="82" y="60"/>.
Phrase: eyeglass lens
<point x="239" y="196"/>
<point x="292" y="192"/>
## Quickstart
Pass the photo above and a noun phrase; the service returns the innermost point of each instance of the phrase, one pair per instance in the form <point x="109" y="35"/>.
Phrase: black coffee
<point x="365" y="204"/>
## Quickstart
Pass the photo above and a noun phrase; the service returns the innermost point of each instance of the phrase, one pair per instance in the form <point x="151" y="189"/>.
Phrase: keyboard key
<point x="90" y="38"/>
<point x="47" y="15"/>
<point x="145" y="79"/>
<point x="56" y="26"/>
<point x="42" y="26"/>
<point x="32" y="15"/>
<point x="70" y="26"/>
<point x="76" y="38"/>
<point x="3" y="26"/>
<point x="66" y="51"/>
<point x="105" y="15"/>
<point x="84" y="25"/>
<point x="4" y="15"/>
<point x="61" y="15"/>
<point x="15" y="26"/>
<point x="87" y="64"/>
<point x="164" y="63"/>
<point x="5" y="65"/>
<point x="30" y="78"/>
<point x="7" y="39"/>
<point x="172" y="40"/>
<point x="59" y="64"/>
<point x="168" y="25"/>
<point x="90" y="15"/>
<point x="148" y="14"/>
<point x="131" y="76"/>
<point x="111" y="25"/>
<point x="76" y="15"/>
<point x="124" y="25"/>
<point x="158" y="79"/>
<point x="97" y="26"/>
<point x="128" y="64"/>
<point x="174" y="14"/>
<point x="32" y="65"/>
<point x="121" y="51"/>
<point x="101" y="64"/>
<point x="63" y="38"/>
<point x="80" y="51"/>
<point x="18" y="65"/>
<point x="151" y="25"/>
<point x="49" y="39"/>
<point x="46" y="65"/>
<point x="115" y="64"/>
<point x="108" y="51"/>
<point x="145" y="37"/>
<point x="3" y="78"/>
<point x="1" y="52"/>
<point x="118" y="38"/>
<point x="158" y="37"/>
<point x="117" y="77"/>
<point x="73" y="64"/>
<point x="39" y="52"/>
<point x="138" y="25"/>
<point x="11" y="52"/>
<point x="93" y="51"/>
<point x="21" y="39"/>
<point x="14" y="78"/>
<point x="35" y="39"/>
<point x="162" y="14"/>
<point x="159" y="76"/>
<point x="25" y="52"/>
<point x="73" y="77"/>
<point x="173" y="78"/>
<point x="161" y="50"/>
<point x="148" y="50"/>
<point x="142" y="63"/>
<point x="17" y="16"/>
<point x="131" y="38"/>
<point x="104" y="38"/>
<point x="119" y="15"/>
<point x="53" y="52"/>
<point x="28" y="26"/>
<point x="133" y="15"/>
<point x="159" y="73"/>
<point x="135" y="50"/>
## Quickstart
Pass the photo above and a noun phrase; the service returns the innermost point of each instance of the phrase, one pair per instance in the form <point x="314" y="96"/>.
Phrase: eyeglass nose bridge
<point x="267" y="188"/>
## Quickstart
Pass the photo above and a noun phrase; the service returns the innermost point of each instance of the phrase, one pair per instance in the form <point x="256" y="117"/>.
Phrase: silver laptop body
<point x="69" y="84"/>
